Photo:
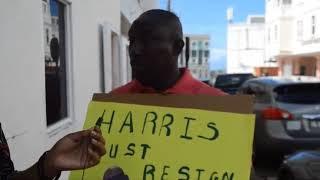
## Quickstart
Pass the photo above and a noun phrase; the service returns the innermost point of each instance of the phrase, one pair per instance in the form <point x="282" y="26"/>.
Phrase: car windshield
<point x="231" y="80"/>
<point x="299" y="93"/>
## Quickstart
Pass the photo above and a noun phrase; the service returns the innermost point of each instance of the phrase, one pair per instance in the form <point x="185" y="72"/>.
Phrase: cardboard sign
<point x="158" y="137"/>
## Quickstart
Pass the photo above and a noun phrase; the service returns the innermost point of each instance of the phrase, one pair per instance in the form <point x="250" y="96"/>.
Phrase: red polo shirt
<point x="186" y="85"/>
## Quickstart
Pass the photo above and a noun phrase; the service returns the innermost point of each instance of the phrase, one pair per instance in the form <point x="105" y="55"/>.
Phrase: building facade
<point x="54" y="55"/>
<point x="293" y="36"/>
<point x="199" y="55"/>
<point x="246" y="47"/>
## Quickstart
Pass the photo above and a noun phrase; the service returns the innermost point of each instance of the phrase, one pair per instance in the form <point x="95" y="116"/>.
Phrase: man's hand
<point x="78" y="150"/>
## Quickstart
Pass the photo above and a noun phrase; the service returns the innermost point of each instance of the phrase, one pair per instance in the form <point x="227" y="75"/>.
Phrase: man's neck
<point x="169" y="82"/>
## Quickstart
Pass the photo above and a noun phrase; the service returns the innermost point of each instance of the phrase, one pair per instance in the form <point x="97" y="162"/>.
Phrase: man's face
<point x="152" y="52"/>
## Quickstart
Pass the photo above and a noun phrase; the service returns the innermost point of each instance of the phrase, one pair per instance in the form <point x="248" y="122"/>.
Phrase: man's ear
<point x="178" y="46"/>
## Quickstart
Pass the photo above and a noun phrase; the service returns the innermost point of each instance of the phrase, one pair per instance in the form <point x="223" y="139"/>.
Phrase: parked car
<point x="230" y="83"/>
<point x="287" y="116"/>
<point x="303" y="165"/>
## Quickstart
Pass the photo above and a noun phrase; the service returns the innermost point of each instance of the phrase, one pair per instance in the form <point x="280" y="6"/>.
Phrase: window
<point x="56" y="67"/>
<point x="200" y="45"/>
<point x="313" y="25"/>
<point x="302" y="70"/>
<point x="200" y="56"/>
<point x="207" y="44"/>
<point x="47" y="36"/>
<point x="206" y="53"/>
<point x="275" y="32"/>
<point x="299" y="30"/>
<point x="194" y="44"/>
<point x="298" y="93"/>
<point x="194" y="53"/>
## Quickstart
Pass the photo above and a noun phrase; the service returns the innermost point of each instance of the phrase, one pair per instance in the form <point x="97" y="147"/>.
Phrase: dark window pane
<point x="55" y="63"/>
<point x="194" y="53"/>
<point x="299" y="93"/>
<point x="206" y="53"/>
<point x="200" y="56"/>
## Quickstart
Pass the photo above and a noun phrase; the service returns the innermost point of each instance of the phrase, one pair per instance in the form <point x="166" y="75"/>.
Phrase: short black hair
<point x="160" y="17"/>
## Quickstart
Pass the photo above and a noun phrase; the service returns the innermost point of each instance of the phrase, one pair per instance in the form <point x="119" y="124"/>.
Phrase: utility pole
<point x="169" y="5"/>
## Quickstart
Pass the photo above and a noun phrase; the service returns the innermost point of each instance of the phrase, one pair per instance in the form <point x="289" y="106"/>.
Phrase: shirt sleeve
<point x="6" y="165"/>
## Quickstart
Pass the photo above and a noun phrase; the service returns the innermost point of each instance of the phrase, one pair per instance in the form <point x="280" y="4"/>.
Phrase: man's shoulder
<point x="127" y="88"/>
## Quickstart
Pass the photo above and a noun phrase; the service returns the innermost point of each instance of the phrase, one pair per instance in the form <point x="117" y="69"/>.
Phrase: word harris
<point x="153" y="124"/>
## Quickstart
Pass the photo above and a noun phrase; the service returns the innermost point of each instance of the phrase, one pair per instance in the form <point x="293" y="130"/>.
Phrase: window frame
<point x="69" y="120"/>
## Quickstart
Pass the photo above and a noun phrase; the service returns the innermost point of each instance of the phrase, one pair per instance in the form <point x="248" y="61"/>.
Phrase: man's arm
<point x="66" y="154"/>
<point x="6" y="165"/>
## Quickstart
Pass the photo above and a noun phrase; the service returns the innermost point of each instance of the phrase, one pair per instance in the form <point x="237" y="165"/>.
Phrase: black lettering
<point x="167" y="126"/>
<point x="184" y="171"/>
<point x="164" y="173"/>
<point x="130" y="148"/>
<point x="199" y="173"/>
<point x="226" y="175"/>
<point x="110" y="122"/>
<point x="144" y="151"/>
<point x="185" y="136"/>
<point x="214" y="175"/>
<point x="150" y="119"/>
<point x="114" y="155"/>
<point x="215" y="135"/>
<point x="130" y="124"/>
<point x="149" y="169"/>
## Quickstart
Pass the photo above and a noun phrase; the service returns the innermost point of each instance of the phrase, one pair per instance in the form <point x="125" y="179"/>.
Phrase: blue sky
<point x="209" y="17"/>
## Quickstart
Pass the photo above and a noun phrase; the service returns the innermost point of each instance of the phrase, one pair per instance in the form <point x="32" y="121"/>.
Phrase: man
<point x="156" y="40"/>
<point x="78" y="150"/>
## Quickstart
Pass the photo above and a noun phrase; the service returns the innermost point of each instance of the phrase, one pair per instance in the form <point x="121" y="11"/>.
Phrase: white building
<point x="93" y="57"/>
<point x="293" y="36"/>
<point x="246" y="46"/>
<point x="198" y="56"/>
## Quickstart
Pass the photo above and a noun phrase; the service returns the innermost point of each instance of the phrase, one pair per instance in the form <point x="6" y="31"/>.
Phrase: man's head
<point x="156" y="40"/>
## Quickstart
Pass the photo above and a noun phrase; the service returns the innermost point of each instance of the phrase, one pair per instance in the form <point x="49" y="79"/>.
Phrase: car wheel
<point x="285" y="174"/>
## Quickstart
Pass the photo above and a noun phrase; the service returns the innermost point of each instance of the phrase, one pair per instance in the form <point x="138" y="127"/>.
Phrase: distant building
<point x="246" y="47"/>
<point x="199" y="56"/>
<point x="293" y="36"/>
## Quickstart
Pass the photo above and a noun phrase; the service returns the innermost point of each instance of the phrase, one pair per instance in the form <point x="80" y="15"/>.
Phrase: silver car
<point x="287" y="116"/>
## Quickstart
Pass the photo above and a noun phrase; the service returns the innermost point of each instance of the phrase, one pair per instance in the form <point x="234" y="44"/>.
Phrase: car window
<point x="299" y="93"/>
<point x="231" y="80"/>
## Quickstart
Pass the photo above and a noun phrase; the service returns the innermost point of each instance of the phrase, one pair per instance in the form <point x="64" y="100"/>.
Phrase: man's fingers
<point x="93" y="157"/>
<point x="98" y="146"/>
<point x="97" y="136"/>
<point x="79" y="135"/>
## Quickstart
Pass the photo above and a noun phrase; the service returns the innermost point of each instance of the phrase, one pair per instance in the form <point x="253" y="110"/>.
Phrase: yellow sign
<point x="167" y="143"/>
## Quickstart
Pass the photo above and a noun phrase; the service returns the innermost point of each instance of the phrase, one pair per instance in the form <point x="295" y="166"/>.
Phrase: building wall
<point x="245" y="47"/>
<point x="297" y="39"/>
<point x="89" y="40"/>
